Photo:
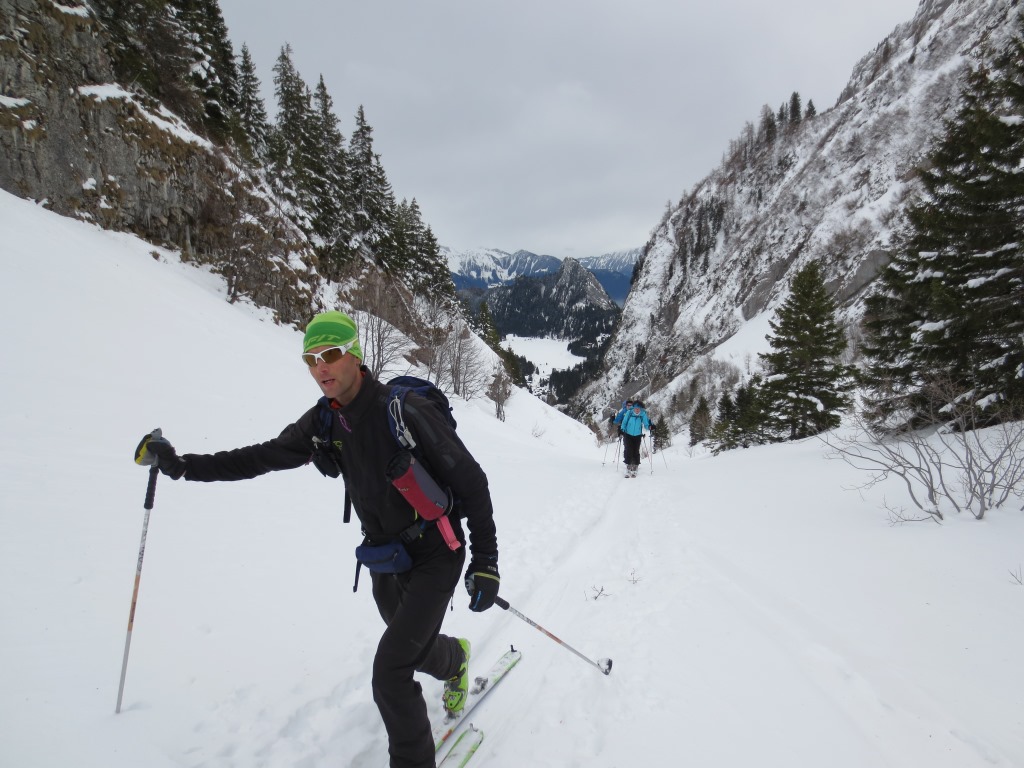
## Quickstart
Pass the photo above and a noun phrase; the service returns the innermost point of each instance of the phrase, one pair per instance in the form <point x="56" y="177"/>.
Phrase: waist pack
<point x="384" y="558"/>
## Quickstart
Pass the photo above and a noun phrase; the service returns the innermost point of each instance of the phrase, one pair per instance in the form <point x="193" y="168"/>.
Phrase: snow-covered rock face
<point x="833" y="187"/>
<point x="488" y="267"/>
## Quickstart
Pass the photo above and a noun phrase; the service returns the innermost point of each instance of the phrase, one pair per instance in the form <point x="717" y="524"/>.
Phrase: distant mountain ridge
<point x="569" y="304"/>
<point x="484" y="268"/>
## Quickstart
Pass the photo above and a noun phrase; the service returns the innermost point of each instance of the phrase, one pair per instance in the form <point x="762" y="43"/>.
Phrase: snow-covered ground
<point x="757" y="613"/>
<point x="547" y="354"/>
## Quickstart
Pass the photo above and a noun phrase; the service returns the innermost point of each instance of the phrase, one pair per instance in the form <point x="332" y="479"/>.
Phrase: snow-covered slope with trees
<point x="794" y="188"/>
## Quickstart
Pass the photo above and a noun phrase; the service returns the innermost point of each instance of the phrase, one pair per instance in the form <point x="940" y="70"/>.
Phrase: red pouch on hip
<point x="431" y="501"/>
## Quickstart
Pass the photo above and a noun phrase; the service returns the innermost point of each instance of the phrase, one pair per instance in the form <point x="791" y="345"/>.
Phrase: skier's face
<point x="339" y="380"/>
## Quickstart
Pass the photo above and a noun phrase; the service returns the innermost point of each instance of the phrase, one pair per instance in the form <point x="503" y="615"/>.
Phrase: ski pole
<point x="150" y="494"/>
<point x="605" y="665"/>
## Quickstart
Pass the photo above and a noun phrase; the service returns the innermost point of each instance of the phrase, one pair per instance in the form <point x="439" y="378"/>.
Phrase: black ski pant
<point x="413" y="605"/>
<point x="631" y="449"/>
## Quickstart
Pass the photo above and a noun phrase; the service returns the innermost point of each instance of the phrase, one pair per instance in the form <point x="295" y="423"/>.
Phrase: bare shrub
<point x="947" y="466"/>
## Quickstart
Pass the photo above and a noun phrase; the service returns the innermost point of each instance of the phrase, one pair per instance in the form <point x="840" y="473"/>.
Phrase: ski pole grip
<point x="501" y="603"/>
<point x="151" y="488"/>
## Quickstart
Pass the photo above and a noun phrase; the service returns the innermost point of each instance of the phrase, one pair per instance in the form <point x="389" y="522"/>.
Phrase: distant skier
<point x="633" y="423"/>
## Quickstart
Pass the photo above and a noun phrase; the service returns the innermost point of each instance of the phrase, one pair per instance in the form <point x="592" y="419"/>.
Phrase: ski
<point x="463" y="749"/>
<point x="482" y="685"/>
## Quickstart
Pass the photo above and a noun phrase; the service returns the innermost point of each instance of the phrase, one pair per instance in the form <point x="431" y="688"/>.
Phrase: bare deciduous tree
<point x="500" y="389"/>
<point x="381" y="311"/>
<point x="466" y="368"/>
<point x="435" y="330"/>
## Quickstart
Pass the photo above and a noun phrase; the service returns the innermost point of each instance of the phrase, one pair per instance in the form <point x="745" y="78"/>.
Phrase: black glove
<point x="482" y="581"/>
<point x="156" y="450"/>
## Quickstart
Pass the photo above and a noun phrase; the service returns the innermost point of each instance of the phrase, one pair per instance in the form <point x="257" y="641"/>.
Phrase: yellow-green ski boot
<point x="456" y="689"/>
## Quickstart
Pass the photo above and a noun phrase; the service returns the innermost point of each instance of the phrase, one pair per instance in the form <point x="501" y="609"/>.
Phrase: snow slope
<point x="757" y="613"/>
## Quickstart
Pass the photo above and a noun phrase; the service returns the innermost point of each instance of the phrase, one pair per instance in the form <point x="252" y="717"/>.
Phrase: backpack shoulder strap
<point x="326" y="422"/>
<point x="396" y="417"/>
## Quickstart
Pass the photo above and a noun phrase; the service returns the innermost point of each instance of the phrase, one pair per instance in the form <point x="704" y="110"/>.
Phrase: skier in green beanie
<point x="346" y="434"/>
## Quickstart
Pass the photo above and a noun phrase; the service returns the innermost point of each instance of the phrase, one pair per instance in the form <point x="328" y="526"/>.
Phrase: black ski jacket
<point x="366" y="444"/>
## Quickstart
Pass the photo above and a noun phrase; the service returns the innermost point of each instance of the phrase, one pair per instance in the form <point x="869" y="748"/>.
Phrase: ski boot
<point x="457" y="688"/>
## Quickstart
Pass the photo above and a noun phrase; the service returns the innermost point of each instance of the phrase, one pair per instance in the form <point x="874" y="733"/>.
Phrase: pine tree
<point x="806" y="385"/>
<point x="251" y="111"/>
<point x="292" y="147"/>
<point x="811" y="110"/>
<point x="795" y="109"/>
<point x="701" y="421"/>
<point x="373" y="202"/>
<point x="487" y="329"/>
<point x="947" y="322"/>
<point x="328" y="179"/>
<point x="149" y="51"/>
<point x="212" y="70"/>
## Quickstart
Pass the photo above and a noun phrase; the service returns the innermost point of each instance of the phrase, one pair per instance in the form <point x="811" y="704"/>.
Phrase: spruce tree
<point x="294" y="147"/>
<point x="487" y="329"/>
<point x="723" y="431"/>
<point x="795" y="109"/>
<point x="213" y="72"/>
<point x="947" y="321"/>
<point x="373" y="201"/>
<point x="701" y="421"/>
<point x="332" y="208"/>
<point x="806" y="385"/>
<point x="148" y="47"/>
<point x="251" y="111"/>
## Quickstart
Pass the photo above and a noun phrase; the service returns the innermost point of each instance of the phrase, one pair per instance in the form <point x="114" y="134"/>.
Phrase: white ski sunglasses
<point x="329" y="355"/>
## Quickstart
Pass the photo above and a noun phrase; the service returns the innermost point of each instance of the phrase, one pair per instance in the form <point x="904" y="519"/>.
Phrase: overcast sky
<point x="561" y="127"/>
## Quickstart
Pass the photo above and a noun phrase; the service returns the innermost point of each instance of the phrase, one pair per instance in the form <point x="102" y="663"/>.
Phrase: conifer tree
<point x="149" y="51"/>
<point x="251" y="111"/>
<point x="721" y="437"/>
<point x="806" y="385"/>
<point x="293" y="145"/>
<point x="212" y="69"/>
<point x="769" y="127"/>
<point x="811" y="110"/>
<point x="328" y="178"/>
<point x="947" y="321"/>
<point x="701" y="421"/>
<point x="795" y="109"/>
<point x="487" y="329"/>
<point x="373" y="202"/>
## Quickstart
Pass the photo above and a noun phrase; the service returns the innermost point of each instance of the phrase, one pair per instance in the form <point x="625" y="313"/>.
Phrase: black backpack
<point x="327" y="461"/>
<point x="402" y="386"/>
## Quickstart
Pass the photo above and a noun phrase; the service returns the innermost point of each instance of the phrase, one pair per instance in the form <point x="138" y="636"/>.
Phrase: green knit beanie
<point x="334" y="329"/>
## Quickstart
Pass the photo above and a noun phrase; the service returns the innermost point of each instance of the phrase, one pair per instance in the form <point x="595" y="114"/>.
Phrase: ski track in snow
<point x="730" y="607"/>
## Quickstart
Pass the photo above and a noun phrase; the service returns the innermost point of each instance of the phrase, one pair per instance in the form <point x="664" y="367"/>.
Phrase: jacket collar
<point x="357" y="410"/>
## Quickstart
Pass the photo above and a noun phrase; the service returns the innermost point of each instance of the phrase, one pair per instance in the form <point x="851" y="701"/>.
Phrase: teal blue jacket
<point x="633" y="421"/>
